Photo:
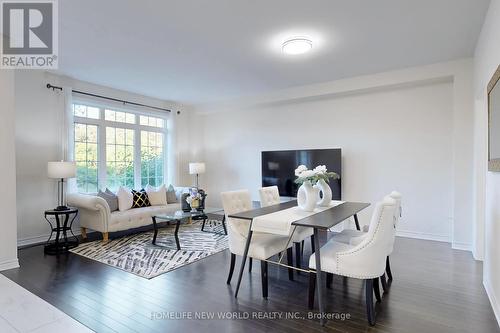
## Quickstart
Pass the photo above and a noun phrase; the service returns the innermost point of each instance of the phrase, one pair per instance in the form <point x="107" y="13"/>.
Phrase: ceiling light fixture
<point x="297" y="45"/>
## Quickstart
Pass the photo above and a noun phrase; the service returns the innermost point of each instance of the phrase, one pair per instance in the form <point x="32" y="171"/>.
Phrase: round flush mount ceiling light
<point x="297" y="45"/>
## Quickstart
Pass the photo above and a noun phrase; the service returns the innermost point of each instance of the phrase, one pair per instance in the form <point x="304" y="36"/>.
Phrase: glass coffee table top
<point x="180" y="215"/>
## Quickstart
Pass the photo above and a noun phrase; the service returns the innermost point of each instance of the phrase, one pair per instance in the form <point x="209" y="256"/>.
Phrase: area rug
<point x="137" y="255"/>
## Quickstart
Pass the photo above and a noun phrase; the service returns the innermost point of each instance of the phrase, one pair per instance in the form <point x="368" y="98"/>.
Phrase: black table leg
<point x="176" y="234"/>
<point x="356" y="221"/>
<point x="58" y="231"/>
<point x="244" y="259"/>
<point x="224" y="224"/>
<point x="298" y="256"/>
<point x="155" y="228"/>
<point x="203" y="225"/>
<point x="65" y="228"/>
<point x="319" y="282"/>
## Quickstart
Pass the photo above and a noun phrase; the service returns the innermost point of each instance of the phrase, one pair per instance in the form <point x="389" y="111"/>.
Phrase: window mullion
<point x="137" y="157"/>
<point x="165" y="154"/>
<point x="101" y="131"/>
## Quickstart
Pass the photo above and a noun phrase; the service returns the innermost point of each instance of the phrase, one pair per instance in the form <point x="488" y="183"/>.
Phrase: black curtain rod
<point x="49" y="86"/>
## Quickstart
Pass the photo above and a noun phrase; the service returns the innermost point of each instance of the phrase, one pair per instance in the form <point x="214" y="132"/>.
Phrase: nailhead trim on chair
<point x="346" y="253"/>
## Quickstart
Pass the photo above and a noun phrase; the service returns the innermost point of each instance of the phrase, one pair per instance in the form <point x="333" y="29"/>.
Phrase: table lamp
<point x="61" y="170"/>
<point x="196" y="168"/>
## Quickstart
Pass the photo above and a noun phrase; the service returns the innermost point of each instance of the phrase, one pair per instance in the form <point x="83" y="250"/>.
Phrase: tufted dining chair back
<point x="396" y="196"/>
<point x="368" y="259"/>
<point x="235" y="202"/>
<point x="269" y="196"/>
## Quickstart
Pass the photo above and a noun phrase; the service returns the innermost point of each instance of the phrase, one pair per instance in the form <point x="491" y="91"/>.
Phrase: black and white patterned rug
<point x="137" y="255"/>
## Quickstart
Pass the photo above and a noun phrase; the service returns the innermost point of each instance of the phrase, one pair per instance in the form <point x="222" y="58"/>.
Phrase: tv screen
<point x="278" y="168"/>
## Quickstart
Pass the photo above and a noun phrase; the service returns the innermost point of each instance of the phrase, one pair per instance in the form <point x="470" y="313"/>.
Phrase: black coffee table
<point x="179" y="217"/>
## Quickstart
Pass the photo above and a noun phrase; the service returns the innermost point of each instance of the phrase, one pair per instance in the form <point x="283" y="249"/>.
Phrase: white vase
<point x="326" y="193"/>
<point x="307" y="196"/>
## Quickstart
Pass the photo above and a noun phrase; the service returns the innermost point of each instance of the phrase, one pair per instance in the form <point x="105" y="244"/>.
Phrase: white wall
<point x="404" y="130"/>
<point x="487" y="185"/>
<point x="38" y="140"/>
<point x="8" y="246"/>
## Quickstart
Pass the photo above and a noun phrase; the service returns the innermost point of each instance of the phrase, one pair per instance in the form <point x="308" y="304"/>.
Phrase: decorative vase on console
<point x="307" y="196"/>
<point x="325" y="191"/>
<point x="316" y="180"/>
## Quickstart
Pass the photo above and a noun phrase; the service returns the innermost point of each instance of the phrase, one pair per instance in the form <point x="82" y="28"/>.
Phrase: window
<point x="119" y="157"/>
<point x="85" y="111"/>
<point x="118" y="148"/>
<point x="151" y="121"/>
<point x="86" y="157"/>
<point x="151" y="158"/>
<point x="121" y="117"/>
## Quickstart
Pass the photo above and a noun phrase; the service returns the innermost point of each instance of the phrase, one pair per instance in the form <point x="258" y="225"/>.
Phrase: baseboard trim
<point x="9" y="264"/>
<point x="433" y="237"/>
<point x="423" y="235"/>
<point x="461" y="246"/>
<point x="493" y="300"/>
<point x="22" y="242"/>
<point x="477" y="256"/>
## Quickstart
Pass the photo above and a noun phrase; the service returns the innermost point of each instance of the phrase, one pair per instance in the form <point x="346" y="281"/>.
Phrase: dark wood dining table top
<point x="322" y="220"/>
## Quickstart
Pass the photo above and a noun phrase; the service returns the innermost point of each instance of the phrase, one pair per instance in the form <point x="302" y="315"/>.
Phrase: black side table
<point x="62" y="226"/>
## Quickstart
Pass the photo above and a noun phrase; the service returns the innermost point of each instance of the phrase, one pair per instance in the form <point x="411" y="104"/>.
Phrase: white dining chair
<point x="262" y="246"/>
<point x="270" y="196"/>
<point x="365" y="260"/>
<point x="398" y="214"/>
<point x="354" y="237"/>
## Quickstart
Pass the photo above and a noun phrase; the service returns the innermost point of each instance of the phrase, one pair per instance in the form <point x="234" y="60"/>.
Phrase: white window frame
<point x="101" y="136"/>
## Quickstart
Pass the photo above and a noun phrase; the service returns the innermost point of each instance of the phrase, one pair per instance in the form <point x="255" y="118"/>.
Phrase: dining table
<point x="320" y="220"/>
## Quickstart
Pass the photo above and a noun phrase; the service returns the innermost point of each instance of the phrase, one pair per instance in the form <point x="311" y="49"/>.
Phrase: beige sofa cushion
<point x="125" y="199"/>
<point x="157" y="196"/>
<point x="138" y="217"/>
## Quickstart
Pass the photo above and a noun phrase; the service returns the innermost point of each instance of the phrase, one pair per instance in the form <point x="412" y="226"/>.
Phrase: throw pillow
<point x="110" y="198"/>
<point x="157" y="196"/>
<point x="180" y="190"/>
<point x="108" y="191"/>
<point x="171" y="197"/>
<point x="125" y="199"/>
<point x="140" y="199"/>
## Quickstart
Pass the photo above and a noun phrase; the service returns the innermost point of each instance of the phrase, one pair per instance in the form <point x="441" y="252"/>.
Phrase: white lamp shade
<point x="196" y="168"/>
<point x="61" y="169"/>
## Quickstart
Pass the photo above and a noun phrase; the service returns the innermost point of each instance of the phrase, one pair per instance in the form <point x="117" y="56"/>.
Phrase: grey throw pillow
<point x="171" y="197"/>
<point x="110" y="198"/>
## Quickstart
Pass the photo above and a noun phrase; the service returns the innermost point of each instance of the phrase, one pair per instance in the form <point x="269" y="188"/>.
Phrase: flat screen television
<point x="278" y="168"/>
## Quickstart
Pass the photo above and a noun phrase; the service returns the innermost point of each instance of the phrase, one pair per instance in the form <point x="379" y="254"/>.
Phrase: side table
<point x="63" y="225"/>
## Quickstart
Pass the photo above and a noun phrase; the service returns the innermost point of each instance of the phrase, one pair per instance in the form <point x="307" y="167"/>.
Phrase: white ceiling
<point x="211" y="50"/>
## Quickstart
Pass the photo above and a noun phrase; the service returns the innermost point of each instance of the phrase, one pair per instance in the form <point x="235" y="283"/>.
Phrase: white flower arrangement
<point x="194" y="195"/>
<point x="303" y="174"/>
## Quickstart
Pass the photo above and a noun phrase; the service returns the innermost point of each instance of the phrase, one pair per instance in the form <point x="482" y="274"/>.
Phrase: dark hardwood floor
<point x="435" y="289"/>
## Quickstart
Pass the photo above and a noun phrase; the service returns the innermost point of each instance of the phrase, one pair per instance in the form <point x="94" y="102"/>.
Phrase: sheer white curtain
<point x="68" y="135"/>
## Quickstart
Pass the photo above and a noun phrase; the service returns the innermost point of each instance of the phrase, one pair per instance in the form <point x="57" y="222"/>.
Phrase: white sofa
<point x="95" y="214"/>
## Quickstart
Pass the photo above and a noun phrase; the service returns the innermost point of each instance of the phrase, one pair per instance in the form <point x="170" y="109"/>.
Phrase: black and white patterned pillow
<point x="140" y="199"/>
